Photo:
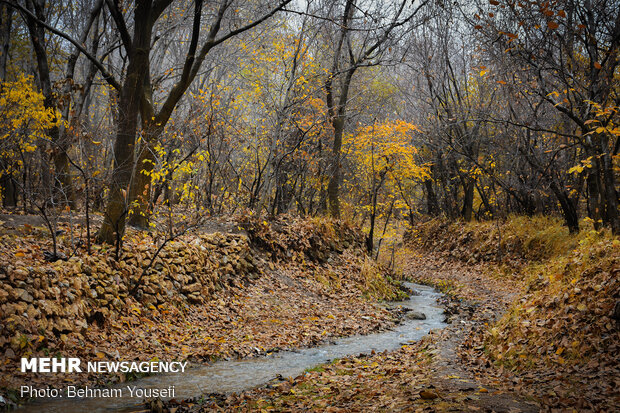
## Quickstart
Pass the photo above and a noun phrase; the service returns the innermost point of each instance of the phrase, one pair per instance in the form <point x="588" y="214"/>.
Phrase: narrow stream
<point x="234" y="376"/>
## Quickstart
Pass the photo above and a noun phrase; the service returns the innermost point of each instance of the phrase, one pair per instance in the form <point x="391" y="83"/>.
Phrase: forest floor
<point x="432" y="374"/>
<point x="529" y="310"/>
<point x="287" y="301"/>
<point x="533" y="325"/>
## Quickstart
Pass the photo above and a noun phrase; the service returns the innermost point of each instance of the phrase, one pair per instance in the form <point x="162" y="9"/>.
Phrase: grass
<point x="377" y="285"/>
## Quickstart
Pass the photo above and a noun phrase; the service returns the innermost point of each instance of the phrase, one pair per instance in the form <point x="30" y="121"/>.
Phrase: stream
<point x="237" y="375"/>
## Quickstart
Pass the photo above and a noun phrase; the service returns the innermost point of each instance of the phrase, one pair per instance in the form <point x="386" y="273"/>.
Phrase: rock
<point x="415" y="315"/>
<point x="428" y="395"/>
<point x="26" y="296"/>
<point x="20" y="274"/>
<point x="16" y="293"/>
<point x="192" y="288"/>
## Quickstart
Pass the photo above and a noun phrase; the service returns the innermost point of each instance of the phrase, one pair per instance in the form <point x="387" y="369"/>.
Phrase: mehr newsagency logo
<point x="75" y="365"/>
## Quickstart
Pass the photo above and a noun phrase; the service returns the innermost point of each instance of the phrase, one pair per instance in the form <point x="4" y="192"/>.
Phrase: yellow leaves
<point x="577" y="169"/>
<point x="483" y="72"/>
<point x="24" y="116"/>
<point x="383" y="154"/>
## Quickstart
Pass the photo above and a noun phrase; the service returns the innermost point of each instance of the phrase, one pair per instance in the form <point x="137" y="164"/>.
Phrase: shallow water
<point x="234" y="376"/>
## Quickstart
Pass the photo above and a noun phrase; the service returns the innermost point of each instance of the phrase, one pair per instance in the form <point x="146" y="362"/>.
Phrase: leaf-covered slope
<point x="561" y="337"/>
<point x="206" y="295"/>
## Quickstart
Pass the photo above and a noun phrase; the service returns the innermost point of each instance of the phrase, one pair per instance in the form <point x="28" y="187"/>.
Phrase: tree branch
<point x="104" y="73"/>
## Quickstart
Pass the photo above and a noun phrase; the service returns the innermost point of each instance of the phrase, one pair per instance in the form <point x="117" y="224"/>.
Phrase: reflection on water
<point x="233" y="376"/>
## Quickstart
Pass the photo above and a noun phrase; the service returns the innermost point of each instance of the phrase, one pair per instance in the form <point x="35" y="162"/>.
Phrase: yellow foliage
<point x="24" y="118"/>
<point x="387" y="146"/>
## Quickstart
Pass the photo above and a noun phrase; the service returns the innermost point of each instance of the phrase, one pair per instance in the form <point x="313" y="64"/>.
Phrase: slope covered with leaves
<point x="560" y="337"/>
<point x="268" y="286"/>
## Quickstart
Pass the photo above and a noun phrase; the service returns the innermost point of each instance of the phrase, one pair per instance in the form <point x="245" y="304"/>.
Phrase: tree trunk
<point x="333" y="187"/>
<point x="432" y="207"/>
<point x="610" y="195"/>
<point x="594" y="204"/>
<point x="6" y="20"/>
<point x="140" y="193"/>
<point x="60" y="147"/>
<point x="113" y="226"/>
<point x="568" y="208"/>
<point x="8" y="189"/>
<point x="468" y="199"/>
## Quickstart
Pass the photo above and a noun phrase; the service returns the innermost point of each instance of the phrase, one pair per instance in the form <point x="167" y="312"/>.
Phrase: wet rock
<point x="415" y="315"/>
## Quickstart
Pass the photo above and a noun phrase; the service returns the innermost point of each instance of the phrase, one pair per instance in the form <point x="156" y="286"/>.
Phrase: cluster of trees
<point x="365" y="108"/>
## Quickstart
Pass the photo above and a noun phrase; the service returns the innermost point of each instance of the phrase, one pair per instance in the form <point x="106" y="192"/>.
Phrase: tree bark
<point x="432" y="206"/>
<point x="6" y="20"/>
<point x="8" y="189"/>
<point x="59" y="146"/>
<point x="569" y="210"/>
<point x="468" y="199"/>
<point x="610" y="195"/>
<point x="113" y="226"/>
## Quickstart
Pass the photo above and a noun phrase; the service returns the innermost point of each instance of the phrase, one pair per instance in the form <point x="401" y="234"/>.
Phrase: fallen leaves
<point x="268" y="300"/>
<point x="559" y="333"/>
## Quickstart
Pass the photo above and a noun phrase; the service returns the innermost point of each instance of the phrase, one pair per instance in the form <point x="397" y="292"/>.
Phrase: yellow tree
<point x="24" y="122"/>
<point x="385" y="159"/>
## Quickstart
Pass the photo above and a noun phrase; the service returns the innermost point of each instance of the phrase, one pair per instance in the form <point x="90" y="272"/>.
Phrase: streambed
<point x="238" y="375"/>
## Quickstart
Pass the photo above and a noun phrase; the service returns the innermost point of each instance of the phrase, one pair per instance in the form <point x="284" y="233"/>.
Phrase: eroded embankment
<point x="533" y="326"/>
<point x="558" y="340"/>
<point x="270" y="286"/>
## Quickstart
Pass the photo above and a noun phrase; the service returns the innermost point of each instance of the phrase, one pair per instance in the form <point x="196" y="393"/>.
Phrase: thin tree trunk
<point x="8" y="189"/>
<point x="60" y="146"/>
<point x="610" y="195"/>
<point x="6" y="20"/>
